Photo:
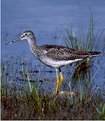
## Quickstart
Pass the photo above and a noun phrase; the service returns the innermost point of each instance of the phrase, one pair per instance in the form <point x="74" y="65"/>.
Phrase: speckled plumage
<point x="58" y="53"/>
<point x="58" y="56"/>
<point x="54" y="55"/>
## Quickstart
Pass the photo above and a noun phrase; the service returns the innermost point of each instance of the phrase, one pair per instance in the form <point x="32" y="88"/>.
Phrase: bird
<point x="55" y="56"/>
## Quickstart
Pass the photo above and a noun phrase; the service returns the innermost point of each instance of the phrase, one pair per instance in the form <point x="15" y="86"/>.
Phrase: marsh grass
<point x="85" y="42"/>
<point x="83" y="75"/>
<point x="28" y="101"/>
<point x="82" y="68"/>
<point x="101" y="110"/>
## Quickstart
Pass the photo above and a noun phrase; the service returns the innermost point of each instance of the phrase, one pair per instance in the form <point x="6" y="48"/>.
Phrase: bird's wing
<point x="56" y="52"/>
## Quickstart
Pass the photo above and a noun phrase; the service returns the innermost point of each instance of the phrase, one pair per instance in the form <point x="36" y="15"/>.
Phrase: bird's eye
<point x="26" y="34"/>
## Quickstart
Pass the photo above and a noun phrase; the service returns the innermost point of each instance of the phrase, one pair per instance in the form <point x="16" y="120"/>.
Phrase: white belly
<point x="57" y="64"/>
<point x="54" y="63"/>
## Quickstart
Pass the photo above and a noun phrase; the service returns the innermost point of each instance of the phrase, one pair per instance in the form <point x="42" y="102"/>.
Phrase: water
<point x="48" y="20"/>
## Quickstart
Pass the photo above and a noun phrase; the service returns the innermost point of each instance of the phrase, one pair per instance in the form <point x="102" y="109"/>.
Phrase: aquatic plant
<point x="21" y="96"/>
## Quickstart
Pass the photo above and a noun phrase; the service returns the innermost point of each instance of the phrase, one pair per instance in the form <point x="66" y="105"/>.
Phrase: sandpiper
<point x="54" y="55"/>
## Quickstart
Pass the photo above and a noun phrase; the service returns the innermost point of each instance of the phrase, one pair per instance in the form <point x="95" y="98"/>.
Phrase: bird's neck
<point x="32" y="42"/>
<point x="33" y="47"/>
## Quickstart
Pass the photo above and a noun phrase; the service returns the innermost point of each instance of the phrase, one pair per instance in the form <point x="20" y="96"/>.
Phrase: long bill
<point x="12" y="42"/>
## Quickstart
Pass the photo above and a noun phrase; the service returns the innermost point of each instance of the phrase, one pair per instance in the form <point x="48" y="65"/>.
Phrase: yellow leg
<point x="57" y="82"/>
<point x="61" y="79"/>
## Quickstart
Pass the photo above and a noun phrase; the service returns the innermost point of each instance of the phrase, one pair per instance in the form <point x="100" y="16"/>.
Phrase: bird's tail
<point x="94" y="53"/>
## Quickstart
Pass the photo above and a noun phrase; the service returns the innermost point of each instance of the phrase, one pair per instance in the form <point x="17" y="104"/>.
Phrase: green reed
<point x="84" y="44"/>
<point x="83" y="76"/>
<point x="28" y="103"/>
<point x="100" y="108"/>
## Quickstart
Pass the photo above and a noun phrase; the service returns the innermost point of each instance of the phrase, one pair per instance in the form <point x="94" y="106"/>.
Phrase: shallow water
<point x="49" y="20"/>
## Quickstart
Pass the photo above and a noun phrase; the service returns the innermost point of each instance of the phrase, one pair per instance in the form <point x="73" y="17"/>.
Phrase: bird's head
<point x="26" y="35"/>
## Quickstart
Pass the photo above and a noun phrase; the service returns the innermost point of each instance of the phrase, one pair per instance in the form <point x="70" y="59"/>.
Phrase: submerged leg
<point x="61" y="78"/>
<point x="57" y="82"/>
